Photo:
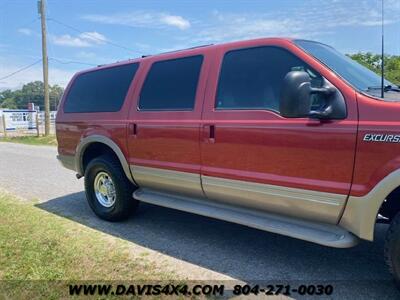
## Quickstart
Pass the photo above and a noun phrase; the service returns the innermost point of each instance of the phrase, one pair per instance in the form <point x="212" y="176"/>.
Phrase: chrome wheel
<point x="104" y="189"/>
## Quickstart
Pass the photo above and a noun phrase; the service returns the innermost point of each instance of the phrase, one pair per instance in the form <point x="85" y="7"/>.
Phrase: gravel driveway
<point x="196" y="247"/>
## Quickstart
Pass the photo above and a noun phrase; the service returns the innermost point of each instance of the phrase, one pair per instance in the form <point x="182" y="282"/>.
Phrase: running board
<point x="323" y="234"/>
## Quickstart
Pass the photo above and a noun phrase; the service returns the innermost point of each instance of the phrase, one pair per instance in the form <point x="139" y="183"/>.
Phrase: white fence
<point x="21" y="121"/>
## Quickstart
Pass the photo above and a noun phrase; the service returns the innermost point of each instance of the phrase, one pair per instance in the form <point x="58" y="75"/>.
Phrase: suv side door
<point x="164" y="123"/>
<point x="255" y="158"/>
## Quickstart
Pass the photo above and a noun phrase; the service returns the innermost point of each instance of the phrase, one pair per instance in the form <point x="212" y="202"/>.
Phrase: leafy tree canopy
<point x="30" y="92"/>
<point x="373" y="62"/>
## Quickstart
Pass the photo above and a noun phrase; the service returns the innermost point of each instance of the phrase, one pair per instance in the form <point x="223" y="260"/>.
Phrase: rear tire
<point x="108" y="190"/>
<point x="392" y="249"/>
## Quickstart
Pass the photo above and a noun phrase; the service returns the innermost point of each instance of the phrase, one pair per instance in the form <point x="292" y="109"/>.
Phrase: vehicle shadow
<point x="243" y="253"/>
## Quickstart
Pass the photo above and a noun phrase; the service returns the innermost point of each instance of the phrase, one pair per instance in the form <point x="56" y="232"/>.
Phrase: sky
<point x="85" y="33"/>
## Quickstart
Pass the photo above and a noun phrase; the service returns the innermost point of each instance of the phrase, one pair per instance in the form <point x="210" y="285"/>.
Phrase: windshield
<point x="357" y="75"/>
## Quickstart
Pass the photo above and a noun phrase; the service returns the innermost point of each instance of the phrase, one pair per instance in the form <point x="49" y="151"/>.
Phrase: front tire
<point x="108" y="191"/>
<point x="392" y="249"/>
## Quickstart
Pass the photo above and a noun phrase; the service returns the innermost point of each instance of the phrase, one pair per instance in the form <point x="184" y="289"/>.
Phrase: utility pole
<point x="42" y="11"/>
<point x="383" y="56"/>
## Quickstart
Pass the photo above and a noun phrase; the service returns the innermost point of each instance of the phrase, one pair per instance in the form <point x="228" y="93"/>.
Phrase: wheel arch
<point x="103" y="141"/>
<point x="361" y="213"/>
<point x="391" y="205"/>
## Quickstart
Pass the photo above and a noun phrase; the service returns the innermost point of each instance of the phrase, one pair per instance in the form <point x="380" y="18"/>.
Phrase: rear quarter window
<point x="101" y="90"/>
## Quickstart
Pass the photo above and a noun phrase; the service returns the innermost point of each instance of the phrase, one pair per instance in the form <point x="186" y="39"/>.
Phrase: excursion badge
<point x="381" y="138"/>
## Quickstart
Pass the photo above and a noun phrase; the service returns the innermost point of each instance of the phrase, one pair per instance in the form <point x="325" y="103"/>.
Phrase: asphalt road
<point x="196" y="247"/>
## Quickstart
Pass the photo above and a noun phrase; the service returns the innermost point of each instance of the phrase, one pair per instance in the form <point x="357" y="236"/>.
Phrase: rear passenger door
<point x="164" y="123"/>
<point x="255" y="158"/>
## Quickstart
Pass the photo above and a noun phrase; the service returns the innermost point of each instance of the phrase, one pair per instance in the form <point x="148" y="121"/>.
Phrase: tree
<point x="8" y="103"/>
<point x="30" y="92"/>
<point x="56" y="92"/>
<point x="7" y="99"/>
<point x="373" y="62"/>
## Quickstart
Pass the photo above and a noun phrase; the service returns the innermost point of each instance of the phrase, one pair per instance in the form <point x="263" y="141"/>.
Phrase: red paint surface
<point x="255" y="145"/>
<point x="262" y="146"/>
<point x="374" y="160"/>
<point x="168" y="139"/>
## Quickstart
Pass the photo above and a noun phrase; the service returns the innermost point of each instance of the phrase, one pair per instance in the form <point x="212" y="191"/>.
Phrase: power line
<point x="93" y="37"/>
<point x="28" y="23"/>
<point x="66" y="62"/>
<point x="39" y="60"/>
<point x="22" y="69"/>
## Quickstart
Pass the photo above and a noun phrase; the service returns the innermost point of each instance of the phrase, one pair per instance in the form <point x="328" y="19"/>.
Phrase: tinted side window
<point x="252" y="78"/>
<point x="100" y="91"/>
<point x="171" y="84"/>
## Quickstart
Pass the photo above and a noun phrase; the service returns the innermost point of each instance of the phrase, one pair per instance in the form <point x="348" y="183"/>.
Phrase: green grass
<point x="49" y="140"/>
<point x="39" y="250"/>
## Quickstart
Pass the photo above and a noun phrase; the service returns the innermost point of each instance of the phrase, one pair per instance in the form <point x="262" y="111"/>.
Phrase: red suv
<point x="287" y="136"/>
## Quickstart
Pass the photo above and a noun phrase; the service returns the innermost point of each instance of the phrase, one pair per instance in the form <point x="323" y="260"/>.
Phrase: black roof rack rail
<point x="190" y="48"/>
<point x="147" y="55"/>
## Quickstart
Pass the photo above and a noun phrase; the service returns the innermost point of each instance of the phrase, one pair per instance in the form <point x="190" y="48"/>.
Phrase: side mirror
<point x="295" y="101"/>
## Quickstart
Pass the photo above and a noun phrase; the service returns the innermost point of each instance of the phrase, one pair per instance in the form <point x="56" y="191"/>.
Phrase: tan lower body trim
<point x="316" y="232"/>
<point x="167" y="180"/>
<point x="67" y="161"/>
<point x="299" y="203"/>
<point x="360" y="214"/>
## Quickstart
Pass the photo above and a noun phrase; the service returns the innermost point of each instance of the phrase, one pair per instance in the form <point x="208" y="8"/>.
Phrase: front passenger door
<point x="255" y="158"/>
